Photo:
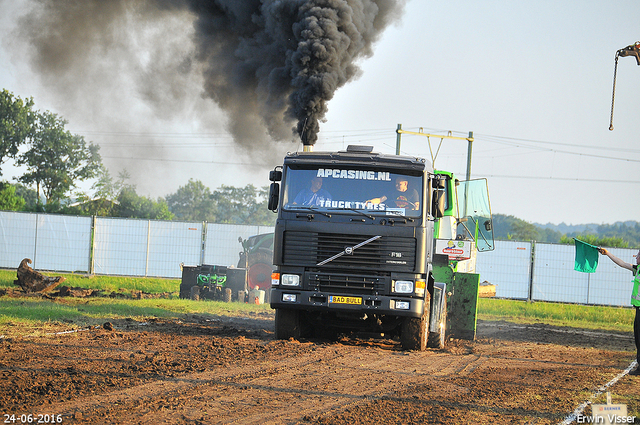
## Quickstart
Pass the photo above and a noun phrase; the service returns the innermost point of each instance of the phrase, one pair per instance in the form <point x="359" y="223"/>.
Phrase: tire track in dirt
<point x="308" y="382"/>
<point x="328" y="378"/>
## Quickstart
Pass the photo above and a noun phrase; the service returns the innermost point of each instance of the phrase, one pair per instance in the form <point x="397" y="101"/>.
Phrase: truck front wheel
<point x="414" y="332"/>
<point x="288" y="324"/>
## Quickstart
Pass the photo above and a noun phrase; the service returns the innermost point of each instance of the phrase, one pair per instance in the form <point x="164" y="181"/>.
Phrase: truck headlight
<point x="290" y="280"/>
<point x="403" y="287"/>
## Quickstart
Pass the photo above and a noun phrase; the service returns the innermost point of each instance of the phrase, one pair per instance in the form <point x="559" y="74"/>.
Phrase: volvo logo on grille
<point x="348" y="250"/>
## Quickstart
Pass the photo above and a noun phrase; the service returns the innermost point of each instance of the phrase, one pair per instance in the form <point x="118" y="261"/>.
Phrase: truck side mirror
<point x="439" y="183"/>
<point x="275" y="175"/>
<point x="274" y="196"/>
<point x="437" y="206"/>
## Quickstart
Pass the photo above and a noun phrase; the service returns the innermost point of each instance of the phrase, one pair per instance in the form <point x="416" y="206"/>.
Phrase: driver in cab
<point x="315" y="195"/>
<point x="403" y="196"/>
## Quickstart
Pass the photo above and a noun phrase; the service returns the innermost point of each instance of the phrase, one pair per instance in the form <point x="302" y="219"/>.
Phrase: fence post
<point x="532" y="264"/>
<point x="92" y="246"/>
<point x="35" y="241"/>
<point x="146" y="265"/>
<point x="588" y="288"/>
<point x="204" y="241"/>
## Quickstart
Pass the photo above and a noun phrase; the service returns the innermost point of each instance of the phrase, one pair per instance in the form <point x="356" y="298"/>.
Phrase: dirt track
<point x="226" y="370"/>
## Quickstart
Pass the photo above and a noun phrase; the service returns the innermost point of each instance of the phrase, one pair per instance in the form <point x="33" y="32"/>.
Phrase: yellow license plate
<point x="335" y="299"/>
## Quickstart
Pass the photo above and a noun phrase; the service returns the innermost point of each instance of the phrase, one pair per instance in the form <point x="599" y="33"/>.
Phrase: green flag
<point x="586" y="257"/>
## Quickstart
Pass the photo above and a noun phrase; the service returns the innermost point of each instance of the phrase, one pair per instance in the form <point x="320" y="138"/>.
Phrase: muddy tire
<point x="194" y="293"/>
<point x="439" y="339"/>
<point x="414" y="332"/>
<point x="288" y="324"/>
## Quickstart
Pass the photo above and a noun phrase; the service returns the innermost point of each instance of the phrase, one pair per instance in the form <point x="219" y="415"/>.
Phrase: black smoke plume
<point x="270" y="65"/>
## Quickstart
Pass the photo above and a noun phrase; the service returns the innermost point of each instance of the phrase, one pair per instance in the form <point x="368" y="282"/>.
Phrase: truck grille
<point x="384" y="254"/>
<point x="335" y="283"/>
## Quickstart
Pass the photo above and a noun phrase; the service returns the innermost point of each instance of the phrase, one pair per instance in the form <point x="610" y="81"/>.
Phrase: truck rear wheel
<point x="439" y="339"/>
<point x="288" y="324"/>
<point x="414" y="332"/>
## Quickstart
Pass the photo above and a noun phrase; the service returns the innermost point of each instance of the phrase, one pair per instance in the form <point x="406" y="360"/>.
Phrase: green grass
<point x="104" y="283"/>
<point x="34" y="316"/>
<point x="573" y="315"/>
<point x="31" y="313"/>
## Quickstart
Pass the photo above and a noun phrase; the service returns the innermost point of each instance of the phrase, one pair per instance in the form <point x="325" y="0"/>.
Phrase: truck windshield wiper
<point x="310" y="208"/>
<point x="402" y="218"/>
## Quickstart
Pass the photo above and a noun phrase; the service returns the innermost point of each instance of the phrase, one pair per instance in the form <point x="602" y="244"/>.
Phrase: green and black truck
<point x="355" y="246"/>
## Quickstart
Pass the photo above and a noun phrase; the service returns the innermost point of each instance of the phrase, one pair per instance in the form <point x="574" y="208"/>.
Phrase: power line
<point x="561" y="178"/>
<point x="364" y="135"/>
<point x="483" y="175"/>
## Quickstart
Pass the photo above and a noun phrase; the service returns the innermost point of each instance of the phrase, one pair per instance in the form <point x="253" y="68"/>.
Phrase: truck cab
<point x="353" y="247"/>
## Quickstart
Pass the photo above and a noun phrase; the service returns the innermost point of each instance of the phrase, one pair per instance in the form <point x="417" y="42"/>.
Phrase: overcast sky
<point x="531" y="79"/>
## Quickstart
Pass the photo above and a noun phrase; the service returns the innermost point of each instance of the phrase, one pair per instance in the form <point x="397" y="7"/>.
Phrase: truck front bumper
<point x="294" y="298"/>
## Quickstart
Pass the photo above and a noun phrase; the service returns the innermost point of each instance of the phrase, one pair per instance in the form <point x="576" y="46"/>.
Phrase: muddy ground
<point x="230" y="370"/>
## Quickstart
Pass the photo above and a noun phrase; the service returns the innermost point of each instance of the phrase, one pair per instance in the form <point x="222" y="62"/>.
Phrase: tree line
<point x="56" y="161"/>
<point x="617" y="235"/>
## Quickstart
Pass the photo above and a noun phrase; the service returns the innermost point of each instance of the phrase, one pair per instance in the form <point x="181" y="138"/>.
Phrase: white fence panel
<point x="553" y="276"/>
<point x="134" y="247"/>
<point x="120" y="246"/>
<point x="221" y="243"/>
<point x="507" y="267"/>
<point x="63" y="243"/>
<point x="17" y="238"/>
<point x="172" y="243"/>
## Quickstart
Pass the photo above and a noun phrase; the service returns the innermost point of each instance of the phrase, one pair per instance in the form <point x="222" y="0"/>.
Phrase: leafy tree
<point x="549" y="235"/>
<point x="105" y="187"/>
<point x="512" y="228"/>
<point x="9" y="200"/>
<point x="17" y="120"/>
<point x="104" y="200"/>
<point x="629" y="231"/>
<point x="193" y="202"/>
<point x="227" y="204"/>
<point x="57" y="159"/>
<point x="610" y="242"/>
<point x="247" y="205"/>
<point x="29" y="195"/>
<point x="135" y="206"/>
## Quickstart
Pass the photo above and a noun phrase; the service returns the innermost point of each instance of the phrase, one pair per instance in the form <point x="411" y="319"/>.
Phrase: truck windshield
<point x="353" y="190"/>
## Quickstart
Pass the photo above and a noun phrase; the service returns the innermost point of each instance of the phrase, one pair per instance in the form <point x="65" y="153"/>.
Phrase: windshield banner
<point x="354" y="174"/>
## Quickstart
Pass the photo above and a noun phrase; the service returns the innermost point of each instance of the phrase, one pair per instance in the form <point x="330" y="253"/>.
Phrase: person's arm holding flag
<point x="615" y="259"/>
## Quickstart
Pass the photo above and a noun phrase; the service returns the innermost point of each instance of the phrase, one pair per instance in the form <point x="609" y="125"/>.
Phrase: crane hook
<point x="631" y="50"/>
